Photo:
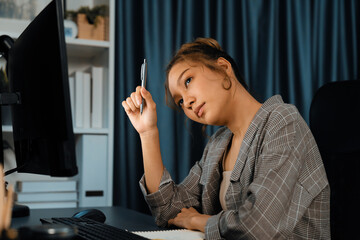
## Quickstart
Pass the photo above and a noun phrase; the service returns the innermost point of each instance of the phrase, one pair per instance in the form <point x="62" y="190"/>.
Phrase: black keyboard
<point x="90" y="229"/>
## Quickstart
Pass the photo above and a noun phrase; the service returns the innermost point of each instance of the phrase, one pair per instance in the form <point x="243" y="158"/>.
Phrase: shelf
<point x="87" y="42"/>
<point x="85" y="48"/>
<point x="13" y="27"/>
<point x="105" y="131"/>
<point x="91" y="131"/>
<point x="76" y="47"/>
<point x="7" y="128"/>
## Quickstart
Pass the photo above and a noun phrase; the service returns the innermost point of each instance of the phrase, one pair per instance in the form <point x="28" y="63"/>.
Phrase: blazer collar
<point x="215" y="153"/>
<point x="257" y="123"/>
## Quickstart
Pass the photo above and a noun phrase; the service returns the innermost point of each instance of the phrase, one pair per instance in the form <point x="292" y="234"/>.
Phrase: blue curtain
<point x="282" y="47"/>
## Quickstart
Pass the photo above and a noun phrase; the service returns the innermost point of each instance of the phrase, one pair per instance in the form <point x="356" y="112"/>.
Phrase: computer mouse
<point x="93" y="214"/>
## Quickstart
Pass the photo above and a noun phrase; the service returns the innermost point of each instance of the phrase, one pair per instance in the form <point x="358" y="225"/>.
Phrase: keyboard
<point x="90" y="229"/>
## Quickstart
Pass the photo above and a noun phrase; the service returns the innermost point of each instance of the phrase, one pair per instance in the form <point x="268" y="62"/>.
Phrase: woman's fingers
<point x="131" y="104"/>
<point x="148" y="119"/>
<point x="138" y="95"/>
<point x="135" y="99"/>
<point x="148" y="98"/>
<point x="126" y="107"/>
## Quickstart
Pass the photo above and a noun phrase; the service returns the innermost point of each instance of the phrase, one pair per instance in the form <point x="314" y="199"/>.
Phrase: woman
<point x="261" y="175"/>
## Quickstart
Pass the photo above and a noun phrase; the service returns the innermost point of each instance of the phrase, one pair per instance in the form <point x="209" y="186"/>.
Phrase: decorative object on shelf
<point x="71" y="29"/>
<point x="92" y="23"/>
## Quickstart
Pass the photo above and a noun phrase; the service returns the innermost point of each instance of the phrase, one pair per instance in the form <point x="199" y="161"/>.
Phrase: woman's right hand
<point x="147" y="121"/>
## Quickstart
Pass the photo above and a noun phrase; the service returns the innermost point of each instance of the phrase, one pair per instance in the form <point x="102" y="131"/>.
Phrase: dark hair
<point x="206" y="51"/>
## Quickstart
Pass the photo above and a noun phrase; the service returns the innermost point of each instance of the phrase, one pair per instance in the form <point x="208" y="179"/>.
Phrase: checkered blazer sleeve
<point x="167" y="202"/>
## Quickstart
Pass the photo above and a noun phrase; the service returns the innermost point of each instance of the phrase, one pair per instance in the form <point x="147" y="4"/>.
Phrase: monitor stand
<point x="20" y="211"/>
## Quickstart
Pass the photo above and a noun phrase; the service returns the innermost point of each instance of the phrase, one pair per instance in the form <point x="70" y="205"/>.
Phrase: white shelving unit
<point x="94" y="146"/>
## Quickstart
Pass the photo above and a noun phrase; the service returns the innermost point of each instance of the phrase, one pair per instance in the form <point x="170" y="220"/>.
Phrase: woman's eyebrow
<point x="180" y="76"/>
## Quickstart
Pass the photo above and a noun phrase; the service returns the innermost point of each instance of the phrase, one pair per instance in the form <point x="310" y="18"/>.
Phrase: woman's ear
<point x="225" y="64"/>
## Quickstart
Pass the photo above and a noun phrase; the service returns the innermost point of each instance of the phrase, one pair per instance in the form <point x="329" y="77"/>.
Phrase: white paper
<point x="173" y="234"/>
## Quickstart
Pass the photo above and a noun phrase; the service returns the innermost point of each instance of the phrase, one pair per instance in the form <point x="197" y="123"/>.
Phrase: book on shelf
<point x="86" y="99"/>
<point x="79" y="99"/>
<point x="46" y="186"/>
<point x="25" y="197"/>
<point x="97" y="95"/>
<point x="88" y="94"/>
<point x="72" y="97"/>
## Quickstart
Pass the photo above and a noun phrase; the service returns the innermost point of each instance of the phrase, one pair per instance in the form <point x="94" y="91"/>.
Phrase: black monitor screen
<point x="42" y="125"/>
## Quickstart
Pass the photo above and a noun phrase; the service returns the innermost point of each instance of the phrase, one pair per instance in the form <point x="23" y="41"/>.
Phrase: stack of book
<point x="87" y="92"/>
<point x="47" y="194"/>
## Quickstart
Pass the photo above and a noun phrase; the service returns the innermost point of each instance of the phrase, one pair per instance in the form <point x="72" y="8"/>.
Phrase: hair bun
<point x="209" y="42"/>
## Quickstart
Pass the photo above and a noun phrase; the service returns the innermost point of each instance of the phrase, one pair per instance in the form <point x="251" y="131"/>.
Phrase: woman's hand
<point x="145" y="122"/>
<point x="191" y="219"/>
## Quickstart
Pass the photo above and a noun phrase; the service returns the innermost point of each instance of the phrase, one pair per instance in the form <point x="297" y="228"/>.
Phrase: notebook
<point x="177" y="234"/>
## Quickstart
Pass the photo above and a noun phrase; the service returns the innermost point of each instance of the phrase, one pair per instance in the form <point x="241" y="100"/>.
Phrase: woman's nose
<point x="188" y="102"/>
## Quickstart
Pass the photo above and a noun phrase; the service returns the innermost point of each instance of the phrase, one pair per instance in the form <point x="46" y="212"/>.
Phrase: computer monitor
<point x="37" y="72"/>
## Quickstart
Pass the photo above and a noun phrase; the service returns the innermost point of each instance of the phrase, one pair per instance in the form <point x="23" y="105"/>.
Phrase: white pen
<point x="143" y="82"/>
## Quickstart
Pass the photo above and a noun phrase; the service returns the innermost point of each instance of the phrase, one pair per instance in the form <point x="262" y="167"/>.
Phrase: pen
<point x="143" y="82"/>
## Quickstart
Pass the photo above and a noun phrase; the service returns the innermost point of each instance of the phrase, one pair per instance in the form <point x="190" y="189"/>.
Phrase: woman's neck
<point x="244" y="108"/>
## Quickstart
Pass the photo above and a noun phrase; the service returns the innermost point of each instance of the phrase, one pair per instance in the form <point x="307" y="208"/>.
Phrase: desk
<point x="116" y="216"/>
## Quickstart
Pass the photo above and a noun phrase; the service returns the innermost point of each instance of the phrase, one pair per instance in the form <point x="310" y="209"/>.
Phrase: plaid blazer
<point x="278" y="187"/>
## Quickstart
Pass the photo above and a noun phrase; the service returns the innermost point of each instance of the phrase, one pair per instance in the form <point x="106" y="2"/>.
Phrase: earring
<point x="227" y="81"/>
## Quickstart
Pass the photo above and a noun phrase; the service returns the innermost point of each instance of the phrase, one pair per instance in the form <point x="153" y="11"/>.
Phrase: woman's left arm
<point x="191" y="219"/>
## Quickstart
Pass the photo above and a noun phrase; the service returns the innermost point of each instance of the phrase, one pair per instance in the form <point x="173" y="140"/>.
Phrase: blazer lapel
<point x="251" y="135"/>
<point x="211" y="176"/>
<point x="211" y="169"/>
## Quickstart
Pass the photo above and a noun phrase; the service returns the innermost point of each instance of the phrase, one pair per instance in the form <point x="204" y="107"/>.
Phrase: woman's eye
<point x="180" y="103"/>
<point x="187" y="81"/>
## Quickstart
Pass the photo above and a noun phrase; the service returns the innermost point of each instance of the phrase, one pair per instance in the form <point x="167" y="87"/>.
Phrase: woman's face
<point x="199" y="92"/>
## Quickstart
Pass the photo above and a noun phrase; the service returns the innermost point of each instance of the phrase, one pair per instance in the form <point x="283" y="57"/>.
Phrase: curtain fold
<point x="282" y="47"/>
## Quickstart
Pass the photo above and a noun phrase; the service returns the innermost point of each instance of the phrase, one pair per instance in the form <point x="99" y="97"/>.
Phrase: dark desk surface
<point x="116" y="216"/>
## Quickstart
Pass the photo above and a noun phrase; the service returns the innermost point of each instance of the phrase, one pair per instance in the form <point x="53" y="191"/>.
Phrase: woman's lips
<point x="200" y="110"/>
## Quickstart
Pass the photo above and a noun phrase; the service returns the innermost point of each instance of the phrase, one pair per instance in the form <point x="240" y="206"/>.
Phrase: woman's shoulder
<point x="278" y="111"/>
